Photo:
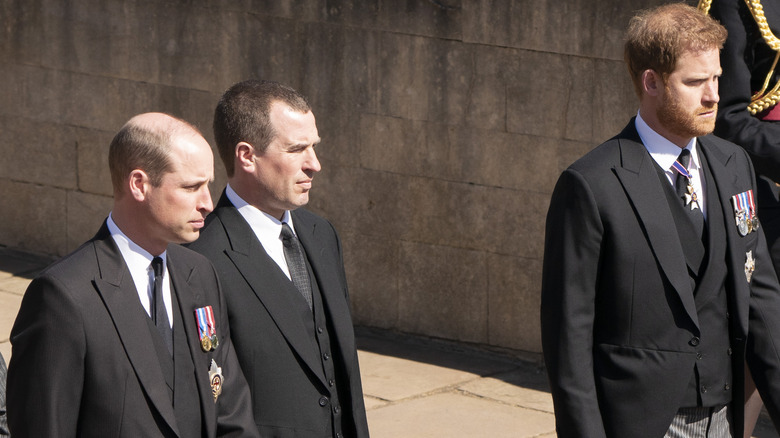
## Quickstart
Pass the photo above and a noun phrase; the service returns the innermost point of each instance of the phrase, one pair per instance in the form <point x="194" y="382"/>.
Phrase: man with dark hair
<point x="281" y="267"/>
<point x="128" y="336"/>
<point x="657" y="285"/>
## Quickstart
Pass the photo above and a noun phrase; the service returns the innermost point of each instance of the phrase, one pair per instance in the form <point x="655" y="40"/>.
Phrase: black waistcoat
<point x="710" y="383"/>
<point x="319" y="329"/>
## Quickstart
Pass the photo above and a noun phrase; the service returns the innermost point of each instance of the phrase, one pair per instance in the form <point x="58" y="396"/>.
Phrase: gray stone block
<point x="442" y="292"/>
<point x="434" y="211"/>
<point x="514" y="300"/>
<point x="404" y="146"/>
<point x="503" y="160"/>
<point x="371" y="265"/>
<point x="86" y="213"/>
<point x="365" y="202"/>
<point x="93" y="174"/>
<point x="466" y="154"/>
<point x="539" y="100"/>
<point x="38" y="152"/>
<point x="341" y="79"/>
<point x="614" y="99"/>
<point x="422" y="78"/>
<point x="341" y="139"/>
<point x="34" y="217"/>
<point x="578" y="27"/>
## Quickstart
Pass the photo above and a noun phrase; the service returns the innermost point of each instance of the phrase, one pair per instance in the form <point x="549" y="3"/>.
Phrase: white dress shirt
<point x="139" y="262"/>
<point x="267" y="228"/>
<point x="665" y="153"/>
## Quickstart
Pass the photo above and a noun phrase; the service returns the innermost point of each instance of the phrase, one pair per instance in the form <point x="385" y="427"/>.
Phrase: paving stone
<point x="14" y="285"/>
<point x="512" y="388"/>
<point x="22" y="264"/>
<point x="373" y="402"/>
<point x="8" y="310"/>
<point x="5" y="350"/>
<point x="393" y="379"/>
<point x="457" y="415"/>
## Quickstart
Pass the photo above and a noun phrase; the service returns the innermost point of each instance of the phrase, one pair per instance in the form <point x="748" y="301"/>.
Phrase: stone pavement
<point x="413" y="387"/>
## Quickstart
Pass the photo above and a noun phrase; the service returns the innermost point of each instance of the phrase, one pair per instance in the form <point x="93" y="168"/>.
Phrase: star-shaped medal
<point x="691" y="200"/>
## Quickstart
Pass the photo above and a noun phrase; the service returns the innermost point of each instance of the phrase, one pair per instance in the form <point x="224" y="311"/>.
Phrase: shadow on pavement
<point x="524" y="372"/>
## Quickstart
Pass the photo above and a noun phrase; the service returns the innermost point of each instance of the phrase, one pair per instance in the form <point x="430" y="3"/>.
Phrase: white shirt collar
<point x="139" y="262"/>
<point x="663" y="151"/>
<point x="265" y="227"/>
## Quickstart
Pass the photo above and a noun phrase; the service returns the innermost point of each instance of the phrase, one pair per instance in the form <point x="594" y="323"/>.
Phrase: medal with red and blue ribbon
<point x="207" y="331"/>
<point x="745" y="212"/>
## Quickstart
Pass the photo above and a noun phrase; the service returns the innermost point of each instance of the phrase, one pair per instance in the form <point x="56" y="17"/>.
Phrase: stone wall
<point x="445" y="124"/>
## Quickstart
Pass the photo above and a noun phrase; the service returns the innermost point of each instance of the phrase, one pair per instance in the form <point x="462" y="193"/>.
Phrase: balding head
<point x="144" y="142"/>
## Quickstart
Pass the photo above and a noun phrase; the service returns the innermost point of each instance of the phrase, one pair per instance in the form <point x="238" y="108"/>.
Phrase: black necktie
<point x="686" y="194"/>
<point x="159" y="314"/>
<point x="293" y="254"/>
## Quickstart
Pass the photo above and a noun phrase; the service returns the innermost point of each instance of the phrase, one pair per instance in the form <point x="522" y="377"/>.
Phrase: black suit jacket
<point x="278" y="356"/>
<point x="618" y="313"/>
<point x="83" y="364"/>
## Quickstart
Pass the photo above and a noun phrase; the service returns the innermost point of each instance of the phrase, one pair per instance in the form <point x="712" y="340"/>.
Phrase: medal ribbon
<point x="751" y="203"/>
<point x="744" y="201"/>
<point x="206" y="324"/>
<point x="681" y="170"/>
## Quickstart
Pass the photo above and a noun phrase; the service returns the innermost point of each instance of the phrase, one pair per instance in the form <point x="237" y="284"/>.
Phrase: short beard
<point x="682" y="123"/>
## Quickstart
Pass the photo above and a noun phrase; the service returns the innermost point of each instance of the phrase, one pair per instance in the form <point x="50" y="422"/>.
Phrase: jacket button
<point x="694" y="341"/>
<point x="319" y="330"/>
<point x="703" y="389"/>
<point x="326" y="356"/>
<point x="331" y="382"/>
<point x="336" y="409"/>
<point x="698" y="356"/>
<point x="726" y="387"/>
<point x="323" y="401"/>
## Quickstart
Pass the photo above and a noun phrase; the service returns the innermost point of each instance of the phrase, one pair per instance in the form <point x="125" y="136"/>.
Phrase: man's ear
<point x="138" y="184"/>
<point x="652" y="83"/>
<point x="245" y="156"/>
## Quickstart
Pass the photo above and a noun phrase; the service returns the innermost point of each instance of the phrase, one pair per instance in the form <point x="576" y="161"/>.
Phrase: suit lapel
<point x="120" y="296"/>
<point x="268" y="282"/>
<point x="190" y="296"/>
<point x="643" y="187"/>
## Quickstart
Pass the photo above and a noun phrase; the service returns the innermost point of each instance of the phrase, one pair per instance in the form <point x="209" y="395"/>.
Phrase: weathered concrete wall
<point x="445" y="124"/>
